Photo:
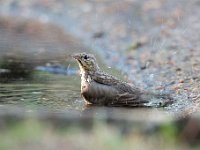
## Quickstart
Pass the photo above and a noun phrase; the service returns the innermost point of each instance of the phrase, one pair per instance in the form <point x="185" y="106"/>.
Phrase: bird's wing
<point x="127" y="95"/>
<point x="106" y="79"/>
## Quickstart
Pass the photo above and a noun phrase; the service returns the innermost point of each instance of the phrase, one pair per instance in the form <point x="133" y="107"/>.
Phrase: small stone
<point x="98" y="34"/>
<point x="176" y="87"/>
<point x="178" y="69"/>
<point x="181" y="81"/>
<point x="160" y="88"/>
<point x="143" y="67"/>
<point x="178" y="91"/>
<point x="134" y="46"/>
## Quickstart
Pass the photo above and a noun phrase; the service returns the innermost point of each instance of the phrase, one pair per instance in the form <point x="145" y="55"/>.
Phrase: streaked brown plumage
<point x="100" y="88"/>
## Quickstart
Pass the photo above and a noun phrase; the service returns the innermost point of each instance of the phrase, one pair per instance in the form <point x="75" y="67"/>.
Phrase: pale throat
<point x="85" y="76"/>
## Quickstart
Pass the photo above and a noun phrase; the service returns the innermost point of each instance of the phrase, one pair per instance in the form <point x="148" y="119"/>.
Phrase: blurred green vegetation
<point x="33" y="134"/>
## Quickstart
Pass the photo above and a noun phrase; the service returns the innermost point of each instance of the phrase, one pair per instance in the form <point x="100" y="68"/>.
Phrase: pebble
<point x="181" y="81"/>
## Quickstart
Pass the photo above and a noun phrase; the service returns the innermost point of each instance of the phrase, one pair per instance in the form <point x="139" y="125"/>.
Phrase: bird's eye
<point x="85" y="57"/>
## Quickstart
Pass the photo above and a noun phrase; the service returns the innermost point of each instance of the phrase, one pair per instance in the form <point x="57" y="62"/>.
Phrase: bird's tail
<point x="157" y="99"/>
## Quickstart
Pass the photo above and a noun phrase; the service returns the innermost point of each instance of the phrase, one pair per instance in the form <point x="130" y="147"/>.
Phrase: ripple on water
<point x="59" y="92"/>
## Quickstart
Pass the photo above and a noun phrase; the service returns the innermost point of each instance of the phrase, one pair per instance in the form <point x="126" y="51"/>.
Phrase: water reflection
<point x="13" y="68"/>
<point x="51" y="91"/>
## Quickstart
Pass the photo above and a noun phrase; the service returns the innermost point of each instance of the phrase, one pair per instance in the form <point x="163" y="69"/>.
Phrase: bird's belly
<point x="96" y="93"/>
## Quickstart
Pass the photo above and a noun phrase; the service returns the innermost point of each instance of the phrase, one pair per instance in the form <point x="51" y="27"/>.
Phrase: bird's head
<point x="87" y="62"/>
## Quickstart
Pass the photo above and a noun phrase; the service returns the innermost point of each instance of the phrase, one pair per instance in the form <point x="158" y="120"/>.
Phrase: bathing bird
<point x="100" y="88"/>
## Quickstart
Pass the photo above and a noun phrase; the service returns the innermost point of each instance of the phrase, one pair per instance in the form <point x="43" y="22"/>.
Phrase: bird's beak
<point x="76" y="56"/>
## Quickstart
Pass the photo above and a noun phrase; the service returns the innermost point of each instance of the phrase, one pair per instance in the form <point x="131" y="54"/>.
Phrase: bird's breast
<point x="86" y="92"/>
<point x="96" y="93"/>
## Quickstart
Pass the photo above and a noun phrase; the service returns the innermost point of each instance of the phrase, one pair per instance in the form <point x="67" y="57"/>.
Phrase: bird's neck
<point x="86" y="76"/>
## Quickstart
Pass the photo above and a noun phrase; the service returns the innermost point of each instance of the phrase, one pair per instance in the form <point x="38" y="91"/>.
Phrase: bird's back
<point x="105" y="89"/>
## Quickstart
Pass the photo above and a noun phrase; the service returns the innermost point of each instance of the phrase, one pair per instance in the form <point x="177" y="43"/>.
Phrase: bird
<point x="100" y="88"/>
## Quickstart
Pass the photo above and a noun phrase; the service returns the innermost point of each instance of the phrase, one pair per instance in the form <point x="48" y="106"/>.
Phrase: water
<point x="47" y="91"/>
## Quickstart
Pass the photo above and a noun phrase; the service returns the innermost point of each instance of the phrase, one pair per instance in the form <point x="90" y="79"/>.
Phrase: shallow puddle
<point x="48" y="91"/>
